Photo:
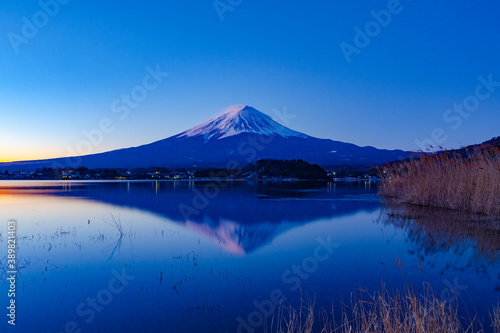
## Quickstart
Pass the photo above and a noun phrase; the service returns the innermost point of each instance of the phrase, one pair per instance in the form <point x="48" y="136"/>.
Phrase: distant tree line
<point x="297" y="169"/>
<point x="262" y="169"/>
<point x="268" y="168"/>
<point x="99" y="173"/>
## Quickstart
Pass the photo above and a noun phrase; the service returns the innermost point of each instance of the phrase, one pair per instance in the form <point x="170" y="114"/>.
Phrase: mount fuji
<point x="239" y="136"/>
<point x="237" y="120"/>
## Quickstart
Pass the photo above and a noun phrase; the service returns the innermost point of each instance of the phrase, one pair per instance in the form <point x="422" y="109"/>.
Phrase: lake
<point x="179" y="256"/>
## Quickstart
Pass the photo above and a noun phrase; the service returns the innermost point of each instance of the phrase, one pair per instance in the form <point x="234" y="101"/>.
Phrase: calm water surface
<point x="196" y="257"/>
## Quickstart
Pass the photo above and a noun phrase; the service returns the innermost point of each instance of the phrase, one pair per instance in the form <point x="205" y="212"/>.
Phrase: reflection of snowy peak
<point x="243" y="217"/>
<point x="239" y="238"/>
<point x="237" y="120"/>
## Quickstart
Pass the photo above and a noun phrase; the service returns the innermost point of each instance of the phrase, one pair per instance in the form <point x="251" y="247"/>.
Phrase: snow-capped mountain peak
<point x="240" y="119"/>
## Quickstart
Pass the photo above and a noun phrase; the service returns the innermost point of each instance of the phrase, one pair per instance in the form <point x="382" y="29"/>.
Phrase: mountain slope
<point x="242" y="135"/>
<point x="240" y="119"/>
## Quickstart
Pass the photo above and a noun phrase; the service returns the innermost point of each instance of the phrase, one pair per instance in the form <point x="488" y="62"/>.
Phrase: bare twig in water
<point x="116" y="223"/>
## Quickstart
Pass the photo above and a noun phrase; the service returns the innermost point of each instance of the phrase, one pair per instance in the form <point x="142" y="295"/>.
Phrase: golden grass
<point x="447" y="180"/>
<point x="382" y="312"/>
<point x="405" y="313"/>
<point x="495" y="319"/>
<point x="292" y="320"/>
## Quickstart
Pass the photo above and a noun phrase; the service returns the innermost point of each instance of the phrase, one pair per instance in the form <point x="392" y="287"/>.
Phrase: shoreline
<point x="350" y="180"/>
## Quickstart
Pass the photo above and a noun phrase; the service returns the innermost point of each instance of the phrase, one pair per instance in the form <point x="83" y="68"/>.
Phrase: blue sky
<point x="282" y="56"/>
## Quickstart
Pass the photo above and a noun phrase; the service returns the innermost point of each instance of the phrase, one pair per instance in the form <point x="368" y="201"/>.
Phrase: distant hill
<point x="493" y="142"/>
<point x="241" y="135"/>
<point x="463" y="152"/>
<point x="487" y="145"/>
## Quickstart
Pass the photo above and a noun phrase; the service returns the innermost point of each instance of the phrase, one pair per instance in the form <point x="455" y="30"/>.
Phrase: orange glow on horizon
<point x="31" y="150"/>
<point x="30" y="157"/>
<point x="17" y="155"/>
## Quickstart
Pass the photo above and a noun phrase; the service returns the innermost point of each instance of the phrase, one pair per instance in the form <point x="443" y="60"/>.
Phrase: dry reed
<point x="495" y="319"/>
<point x="447" y="180"/>
<point x="382" y="312"/>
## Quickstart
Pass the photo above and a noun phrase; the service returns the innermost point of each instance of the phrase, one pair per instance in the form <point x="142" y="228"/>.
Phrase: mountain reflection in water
<point x="241" y="216"/>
